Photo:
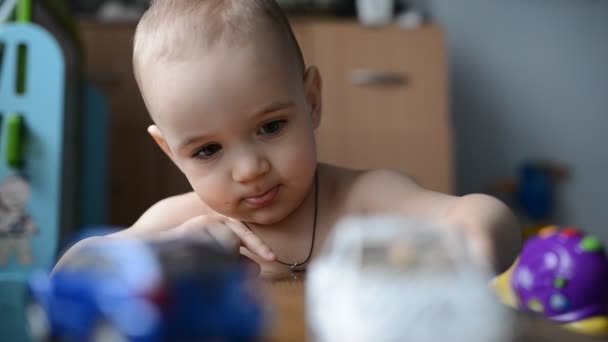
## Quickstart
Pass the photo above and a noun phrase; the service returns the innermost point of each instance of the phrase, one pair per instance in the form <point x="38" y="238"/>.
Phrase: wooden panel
<point x="134" y="181"/>
<point x="140" y="173"/>
<point x="385" y="124"/>
<point x="108" y="53"/>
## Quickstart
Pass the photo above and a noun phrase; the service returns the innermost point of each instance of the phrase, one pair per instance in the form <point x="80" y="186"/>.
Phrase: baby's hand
<point x="228" y="233"/>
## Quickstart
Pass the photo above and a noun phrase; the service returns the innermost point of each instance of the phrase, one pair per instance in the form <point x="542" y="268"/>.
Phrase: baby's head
<point x="232" y="103"/>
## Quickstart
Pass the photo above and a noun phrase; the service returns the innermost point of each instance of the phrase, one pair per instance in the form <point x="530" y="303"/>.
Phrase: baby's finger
<point x="251" y="241"/>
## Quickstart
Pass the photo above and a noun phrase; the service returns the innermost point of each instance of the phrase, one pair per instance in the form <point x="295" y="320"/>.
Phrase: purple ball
<point x="562" y="274"/>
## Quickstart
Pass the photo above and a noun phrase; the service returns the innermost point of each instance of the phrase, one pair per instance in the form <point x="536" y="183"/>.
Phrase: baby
<point x="235" y="108"/>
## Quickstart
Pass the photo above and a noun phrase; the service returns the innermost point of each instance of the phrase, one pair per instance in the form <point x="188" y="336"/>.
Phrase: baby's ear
<point x="313" y="86"/>
<point x="160" y="140"/>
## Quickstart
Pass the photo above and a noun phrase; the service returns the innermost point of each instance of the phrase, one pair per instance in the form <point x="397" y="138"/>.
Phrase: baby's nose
<point x="250" y="167"/>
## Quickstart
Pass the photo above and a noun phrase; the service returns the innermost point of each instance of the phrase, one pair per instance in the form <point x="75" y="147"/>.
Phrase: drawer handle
<point x="367" y="77"/>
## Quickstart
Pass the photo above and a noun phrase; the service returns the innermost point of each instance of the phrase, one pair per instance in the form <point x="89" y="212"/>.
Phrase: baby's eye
<point x="208" y="151"/>
<point x="272" y="127"/>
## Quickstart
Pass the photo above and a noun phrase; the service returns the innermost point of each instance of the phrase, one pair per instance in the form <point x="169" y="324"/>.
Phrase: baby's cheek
<point x="298" y="165"/>
<point x="214" y="195"/>
<point x="301" y="152"/>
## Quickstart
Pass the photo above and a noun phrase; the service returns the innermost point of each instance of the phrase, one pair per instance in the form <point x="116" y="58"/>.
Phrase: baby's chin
<point x="263" y="217"/>
<point x="263" y="220"/>
<point x="270" y="215"/>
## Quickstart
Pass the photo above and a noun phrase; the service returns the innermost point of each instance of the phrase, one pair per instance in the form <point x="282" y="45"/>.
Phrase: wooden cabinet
<point x="384" y="99"/>
<point x="385" y="105"/>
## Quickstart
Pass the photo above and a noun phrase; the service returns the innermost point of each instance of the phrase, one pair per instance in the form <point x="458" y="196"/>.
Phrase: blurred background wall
<point x="529" y="79"/>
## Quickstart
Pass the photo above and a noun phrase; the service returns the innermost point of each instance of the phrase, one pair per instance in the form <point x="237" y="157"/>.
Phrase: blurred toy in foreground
<point x="136" y="291"/>
<point x="389" y="279"/>
<point x="563" y="275"/>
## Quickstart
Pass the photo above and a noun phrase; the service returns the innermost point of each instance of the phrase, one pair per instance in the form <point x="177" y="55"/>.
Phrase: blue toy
<point x="144" y="292"/>
<point x="532" y="194"/>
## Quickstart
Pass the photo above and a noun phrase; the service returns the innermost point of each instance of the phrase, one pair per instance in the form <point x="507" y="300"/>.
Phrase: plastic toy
<point x="32" y="157"/>
<point x="383" y="278"/>
<point x="6" y="9"/>
<point x="144" y="292"/>
<point x="563" y="275"/>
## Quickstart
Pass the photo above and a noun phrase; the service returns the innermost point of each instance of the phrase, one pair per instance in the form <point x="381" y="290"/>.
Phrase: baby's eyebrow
<point x="190" y="140"/>
<point x="273" y="107"/>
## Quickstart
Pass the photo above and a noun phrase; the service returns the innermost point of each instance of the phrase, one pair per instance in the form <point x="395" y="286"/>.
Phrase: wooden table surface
<point x="287" y="300"/>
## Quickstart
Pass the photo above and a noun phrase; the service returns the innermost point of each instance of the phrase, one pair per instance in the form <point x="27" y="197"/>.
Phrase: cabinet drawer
<point x="384" y="100"/>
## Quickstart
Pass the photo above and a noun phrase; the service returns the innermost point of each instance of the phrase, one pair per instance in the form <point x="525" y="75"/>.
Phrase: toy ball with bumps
<point x="563" y="275"/>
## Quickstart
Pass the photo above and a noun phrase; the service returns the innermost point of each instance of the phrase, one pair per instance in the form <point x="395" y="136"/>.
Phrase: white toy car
<point x="384" y="278"/>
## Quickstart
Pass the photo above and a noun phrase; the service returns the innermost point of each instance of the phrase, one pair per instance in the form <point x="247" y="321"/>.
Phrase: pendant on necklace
<point x="296" y="269"/>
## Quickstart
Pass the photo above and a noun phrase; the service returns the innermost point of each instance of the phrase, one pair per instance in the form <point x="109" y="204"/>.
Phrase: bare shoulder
<point x="372" y="184"/>
<point x="373" y="179"/>
<point x="167" y="213"/>
<point x="337" y="181"/>
<point x="391" y="191"/>
<point x="346" y="187"/>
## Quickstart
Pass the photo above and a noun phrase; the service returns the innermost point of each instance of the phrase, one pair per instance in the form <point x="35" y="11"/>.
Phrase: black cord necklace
<point x="299" y="267"/>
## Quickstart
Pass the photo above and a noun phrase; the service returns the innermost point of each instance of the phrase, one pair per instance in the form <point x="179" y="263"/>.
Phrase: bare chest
<point x="295" y="252"/>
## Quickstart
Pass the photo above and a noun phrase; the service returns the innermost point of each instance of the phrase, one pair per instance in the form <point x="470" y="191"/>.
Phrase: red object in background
<point x="571" y="232"/>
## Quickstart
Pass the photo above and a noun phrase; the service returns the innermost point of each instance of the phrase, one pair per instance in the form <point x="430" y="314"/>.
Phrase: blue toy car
<point x="141" y="292"/>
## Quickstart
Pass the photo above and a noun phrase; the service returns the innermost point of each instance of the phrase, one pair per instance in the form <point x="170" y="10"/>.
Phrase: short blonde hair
<point x="170" y="26"/>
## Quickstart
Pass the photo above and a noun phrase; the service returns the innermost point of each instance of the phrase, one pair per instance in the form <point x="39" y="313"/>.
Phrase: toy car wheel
<point x="37" y="322"/>
<point x="107" y="332"/>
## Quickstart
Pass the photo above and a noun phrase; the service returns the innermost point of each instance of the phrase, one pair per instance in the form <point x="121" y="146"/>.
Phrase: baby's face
<point x="239" y="123"/>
